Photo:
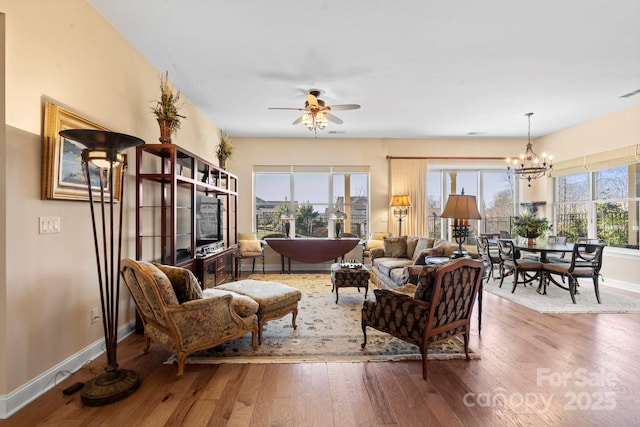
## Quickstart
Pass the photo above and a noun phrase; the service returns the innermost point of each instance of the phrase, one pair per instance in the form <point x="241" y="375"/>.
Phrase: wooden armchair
<point x="440" y="309"/>
<point x="586" y="261"/>
<point x="190" y="326"/>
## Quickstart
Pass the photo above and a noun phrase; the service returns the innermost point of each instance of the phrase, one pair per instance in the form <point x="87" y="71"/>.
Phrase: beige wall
<point x="63" y="51"/>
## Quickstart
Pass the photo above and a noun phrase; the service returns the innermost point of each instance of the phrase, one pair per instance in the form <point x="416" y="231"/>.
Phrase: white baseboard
<point x="25" y="394"/>
<point x="619" y="284"/>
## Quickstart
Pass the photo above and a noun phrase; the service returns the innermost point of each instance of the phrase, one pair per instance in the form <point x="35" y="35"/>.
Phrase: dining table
<point x="312" y="250"/>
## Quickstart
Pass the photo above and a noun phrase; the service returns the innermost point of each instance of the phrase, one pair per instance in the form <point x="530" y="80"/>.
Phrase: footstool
<point x="343" y="277"/>
<point x="275" y="299"/>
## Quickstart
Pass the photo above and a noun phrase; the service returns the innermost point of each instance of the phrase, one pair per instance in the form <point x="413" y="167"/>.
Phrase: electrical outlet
<point x="95" y="315"/>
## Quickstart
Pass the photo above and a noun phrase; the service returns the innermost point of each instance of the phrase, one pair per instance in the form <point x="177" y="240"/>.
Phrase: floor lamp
<point x="461" y="208"/>
<point x="105" y="166"/>
<point x="400" y="205"/>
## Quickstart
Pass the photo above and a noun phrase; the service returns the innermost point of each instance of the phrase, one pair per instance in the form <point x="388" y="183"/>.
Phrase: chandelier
<point x="528" y="166"/>
<point x="315" y="120"/>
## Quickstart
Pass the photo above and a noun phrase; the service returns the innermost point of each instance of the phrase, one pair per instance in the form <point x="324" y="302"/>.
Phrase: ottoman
<point x="343" y="277"/>
<point x="275" y="300"/>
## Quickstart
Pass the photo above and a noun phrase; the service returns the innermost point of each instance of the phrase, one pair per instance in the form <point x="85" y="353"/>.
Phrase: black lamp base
<point x="110" y="387"/>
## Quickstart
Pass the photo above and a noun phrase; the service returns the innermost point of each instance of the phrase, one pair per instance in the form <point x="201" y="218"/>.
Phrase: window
<point x="610" y="211"/>
<point x="312" y="194"/>
<point x="494" y="192"/>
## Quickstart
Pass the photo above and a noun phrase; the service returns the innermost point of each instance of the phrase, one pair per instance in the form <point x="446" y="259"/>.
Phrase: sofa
<point x="401" y="260"/>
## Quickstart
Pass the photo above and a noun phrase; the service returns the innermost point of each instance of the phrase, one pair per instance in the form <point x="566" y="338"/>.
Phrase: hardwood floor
<point x="536" y="369"/>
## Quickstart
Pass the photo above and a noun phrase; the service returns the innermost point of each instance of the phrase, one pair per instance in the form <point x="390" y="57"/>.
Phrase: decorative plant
<point x="169" y="104"/>
<point x="530" y="226"/>
<point x="224" y="150"/>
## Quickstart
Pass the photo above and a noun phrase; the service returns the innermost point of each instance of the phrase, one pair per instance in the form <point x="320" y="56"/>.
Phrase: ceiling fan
<point x="316" y="114"/>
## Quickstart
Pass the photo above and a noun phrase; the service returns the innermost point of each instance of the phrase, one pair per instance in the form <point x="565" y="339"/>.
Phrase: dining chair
<point x="586" y="261"/>
<point x="489" y="256"/>
<point x="557" y="256"/>
<point x="511" y="262"/>
<point x="250" y="248"/>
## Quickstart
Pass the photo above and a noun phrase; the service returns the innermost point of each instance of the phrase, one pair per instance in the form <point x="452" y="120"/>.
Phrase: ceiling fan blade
<point x="334" y="119"/>
<point x="287" y="108"/>
<point x="344" y="107"/>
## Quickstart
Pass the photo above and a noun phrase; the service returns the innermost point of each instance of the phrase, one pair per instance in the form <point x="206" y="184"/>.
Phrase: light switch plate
<point x="49" y="224"/>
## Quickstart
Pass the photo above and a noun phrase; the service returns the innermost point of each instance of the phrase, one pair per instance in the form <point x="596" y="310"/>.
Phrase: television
<point x="208" y="220"/>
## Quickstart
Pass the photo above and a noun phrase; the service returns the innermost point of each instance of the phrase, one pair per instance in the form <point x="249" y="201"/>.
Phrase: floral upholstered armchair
<point x="181" y="317"/>
<point x="440" y="309"/>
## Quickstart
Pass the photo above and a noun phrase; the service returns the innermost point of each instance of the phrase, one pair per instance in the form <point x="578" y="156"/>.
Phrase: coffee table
<point x="344" y="277"/>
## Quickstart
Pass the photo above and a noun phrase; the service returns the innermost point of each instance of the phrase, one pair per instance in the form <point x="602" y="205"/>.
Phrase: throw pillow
<point x="184" y="282"/>
<point x="420" y="259"/>
<point x="423" y="243"/>
<point x="242" y="305"/>
<point x="373" y="244"/>
<point x="379" y="235"/>
<point x="162" y="282"/>
<point x="412" y="242"/>
<point x="395" y="247"/>
<point x="250" y="247"/>
<point x="426" y="282"/>
<point x="247" y="236"/>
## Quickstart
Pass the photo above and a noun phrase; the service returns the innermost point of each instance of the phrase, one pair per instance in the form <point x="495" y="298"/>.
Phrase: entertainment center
<point x="186" y="213"/>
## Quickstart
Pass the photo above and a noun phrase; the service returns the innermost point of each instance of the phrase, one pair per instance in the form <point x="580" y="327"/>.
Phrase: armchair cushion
<point x="250" y="247"/>
<point x="420" y="259"/>
<point x="162" y="282"/>
<point x="242" y="305"/>
<point x="379" y="235"/>
<point x="395" y="247"/>
<point x="184" y="282"/>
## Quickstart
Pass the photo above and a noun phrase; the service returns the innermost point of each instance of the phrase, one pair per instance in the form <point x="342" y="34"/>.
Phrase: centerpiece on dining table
<point x="530" y="226"/>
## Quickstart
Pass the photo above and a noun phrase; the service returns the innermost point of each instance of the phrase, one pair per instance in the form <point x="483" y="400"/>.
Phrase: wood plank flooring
<point x="536" y="369"/>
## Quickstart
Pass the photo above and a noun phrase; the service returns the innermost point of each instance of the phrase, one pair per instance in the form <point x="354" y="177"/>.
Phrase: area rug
<point x="558" y="300"/>
<point x="326" y="332"/>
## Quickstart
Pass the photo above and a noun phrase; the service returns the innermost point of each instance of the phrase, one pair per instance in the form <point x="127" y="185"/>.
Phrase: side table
<point x="343" y="277"/>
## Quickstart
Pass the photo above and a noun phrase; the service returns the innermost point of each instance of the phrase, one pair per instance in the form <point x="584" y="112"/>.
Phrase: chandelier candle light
<point x="528" y="166"/>
<point x="400" y="204"/>
<point x="102" y="159"/>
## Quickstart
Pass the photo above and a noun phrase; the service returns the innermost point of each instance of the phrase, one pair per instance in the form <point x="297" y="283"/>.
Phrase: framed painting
<point x="63" y="176"/>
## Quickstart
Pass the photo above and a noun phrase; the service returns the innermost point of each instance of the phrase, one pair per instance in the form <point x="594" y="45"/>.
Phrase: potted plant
<point x="528" y="225"/>
<point x="167" y="109"/>
<point x="224" y="149"/>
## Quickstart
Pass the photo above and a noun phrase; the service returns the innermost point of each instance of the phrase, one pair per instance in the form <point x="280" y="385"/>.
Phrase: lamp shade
<point x="461" y="206"/>
<point x="402" y="200"/>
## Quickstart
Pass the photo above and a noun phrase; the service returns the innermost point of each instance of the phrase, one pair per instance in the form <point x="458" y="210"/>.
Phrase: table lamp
<point x="400" y="204"/>
<point x="286" y="218"/>
<point x="461" y="208"/>
<point x="338" y="217"/>
<point x="102" y="161"/>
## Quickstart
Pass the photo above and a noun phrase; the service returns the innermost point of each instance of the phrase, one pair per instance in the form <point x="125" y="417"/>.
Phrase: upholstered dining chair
<point x="511" y="262"/>
<point x="181" y="317"/>
<point x="586" y="262"/>
<point x="440" y="309"/>
<point x="250" y="248"/>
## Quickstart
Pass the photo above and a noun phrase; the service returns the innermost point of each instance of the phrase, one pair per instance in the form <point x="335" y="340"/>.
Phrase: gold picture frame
<point x="63" y="175"/>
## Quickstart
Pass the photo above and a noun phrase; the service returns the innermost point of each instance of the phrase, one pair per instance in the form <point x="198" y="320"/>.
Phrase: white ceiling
<point x="418" y="68"/>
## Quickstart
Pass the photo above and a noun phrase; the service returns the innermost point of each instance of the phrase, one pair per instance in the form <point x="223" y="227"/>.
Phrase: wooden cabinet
<point x="217" y="268"/>
<point x="186" y="208"/>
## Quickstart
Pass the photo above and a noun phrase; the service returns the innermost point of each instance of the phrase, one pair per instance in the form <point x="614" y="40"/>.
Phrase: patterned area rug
<point x="558" y="300"/>
<point x="327" y="332"/>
